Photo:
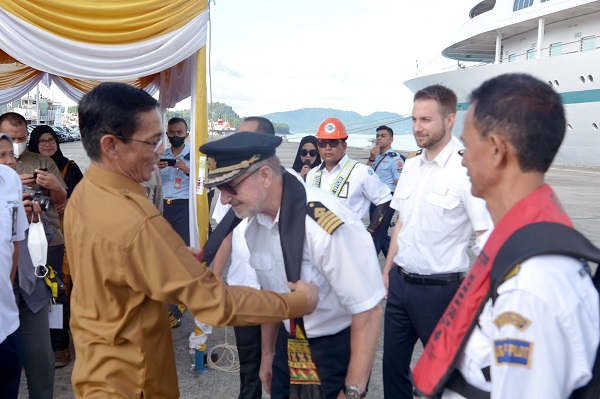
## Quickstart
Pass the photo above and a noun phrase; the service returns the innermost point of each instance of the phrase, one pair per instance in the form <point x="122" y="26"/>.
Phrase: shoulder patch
<point x="325" y="218"/>
<point x="521" y="323"/>
<point x="414" y="154"/>
<point x="392" y="154"/>
<point x="513" y="352"/>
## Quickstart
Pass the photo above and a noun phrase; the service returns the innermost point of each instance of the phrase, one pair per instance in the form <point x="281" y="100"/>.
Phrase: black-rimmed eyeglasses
<point x="155" y="144"/>
<point x="232" y="189"/>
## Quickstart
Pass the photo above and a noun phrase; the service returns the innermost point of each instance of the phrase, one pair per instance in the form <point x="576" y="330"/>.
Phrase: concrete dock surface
<point x="577" y="187"/>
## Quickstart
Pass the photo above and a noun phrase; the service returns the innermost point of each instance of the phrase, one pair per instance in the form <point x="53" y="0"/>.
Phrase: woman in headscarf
<point x="44" y="140"/>
<point x="307" y="156"/>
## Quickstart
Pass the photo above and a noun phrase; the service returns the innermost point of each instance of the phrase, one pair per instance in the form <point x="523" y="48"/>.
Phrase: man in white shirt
<point x="539" y="337"/>
<point x="297" y="230"/>
<point x="427" y="259"/>
<point x="356" y="184"/>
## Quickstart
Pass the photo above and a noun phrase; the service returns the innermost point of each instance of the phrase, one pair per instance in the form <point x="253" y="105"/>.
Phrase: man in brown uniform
<point x="127" y="263"/>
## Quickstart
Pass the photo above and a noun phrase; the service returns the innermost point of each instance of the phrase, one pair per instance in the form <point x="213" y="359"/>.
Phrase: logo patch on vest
<point x="514" y="319"/>
<point x="328" y="220"/>
<point x="513" y="352"/>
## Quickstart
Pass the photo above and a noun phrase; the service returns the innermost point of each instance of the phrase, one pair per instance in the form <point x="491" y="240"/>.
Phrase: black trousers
<point x="248" y="345"/>
<point x="11" y="362"/>
<point x="331" y="355"/>
<point x="381" y="239"/>
<point x="178" y="214"/>
<point x="411" y="313"/>
<point x="60" y="337"/>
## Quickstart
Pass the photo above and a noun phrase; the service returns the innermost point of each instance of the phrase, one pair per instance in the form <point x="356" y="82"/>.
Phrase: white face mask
<point x="37" y="244"/>
<point x="19" y="148"/>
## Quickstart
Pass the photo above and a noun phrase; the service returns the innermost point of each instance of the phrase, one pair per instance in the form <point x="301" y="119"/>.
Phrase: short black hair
<point x="13" y="118"/>
<point x="177" y="119"/>
<point x="384" y="127"/>
<point x="445" y="98"/>
<point x="111" y="108"/>
<point x="264" y="125"/>
<point x="527" y="112"/>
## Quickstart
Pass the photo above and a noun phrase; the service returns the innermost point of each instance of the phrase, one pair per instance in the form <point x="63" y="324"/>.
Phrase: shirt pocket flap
<point x="261" y="261"/>
<point x="447" y="201"/>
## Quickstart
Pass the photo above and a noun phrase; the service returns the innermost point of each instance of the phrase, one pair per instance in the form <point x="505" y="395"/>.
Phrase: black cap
<point x="232" y="155"/>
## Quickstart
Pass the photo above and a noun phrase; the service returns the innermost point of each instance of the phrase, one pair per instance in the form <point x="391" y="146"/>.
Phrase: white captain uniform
<point x="342" y="263"/>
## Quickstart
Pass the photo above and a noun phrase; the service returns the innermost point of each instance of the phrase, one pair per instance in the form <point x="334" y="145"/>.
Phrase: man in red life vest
<point x="539" y="337"/>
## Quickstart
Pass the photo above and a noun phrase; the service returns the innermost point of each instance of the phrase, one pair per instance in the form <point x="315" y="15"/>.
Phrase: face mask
<point x="176" y="141"/>
<point x="37" y="244"/>
<point x="19" y="148"/>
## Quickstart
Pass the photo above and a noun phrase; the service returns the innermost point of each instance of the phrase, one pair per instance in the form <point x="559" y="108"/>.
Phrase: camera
<point x="45" y="202"/>
<point x="169" y="161"/>
<point x="35" y="173"/>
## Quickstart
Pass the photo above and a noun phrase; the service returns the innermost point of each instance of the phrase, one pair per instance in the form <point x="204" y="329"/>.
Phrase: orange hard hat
<point x="332" y="129"/>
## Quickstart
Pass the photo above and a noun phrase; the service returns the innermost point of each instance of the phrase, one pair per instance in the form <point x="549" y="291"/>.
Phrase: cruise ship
<point x="557" y="41"/>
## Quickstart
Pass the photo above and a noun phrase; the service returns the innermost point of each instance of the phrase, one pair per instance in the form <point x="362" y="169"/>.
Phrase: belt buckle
<point x="169" y="201"/>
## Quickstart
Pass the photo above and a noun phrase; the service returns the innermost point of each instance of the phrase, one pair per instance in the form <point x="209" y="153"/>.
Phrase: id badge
<point x="55" y="316"/>
<point x="177" y="183"/>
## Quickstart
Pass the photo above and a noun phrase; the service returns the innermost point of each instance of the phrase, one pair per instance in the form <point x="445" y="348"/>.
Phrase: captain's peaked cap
<point x="231" y="156"/>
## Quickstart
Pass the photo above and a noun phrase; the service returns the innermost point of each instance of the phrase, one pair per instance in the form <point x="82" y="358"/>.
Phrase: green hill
<point x="307" y="120"/>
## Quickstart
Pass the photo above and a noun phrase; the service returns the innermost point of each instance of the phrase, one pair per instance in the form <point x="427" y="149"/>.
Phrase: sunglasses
<point x="312" y="153"/>
<point x="232" y="189"/>
<point x="332" y="143"/>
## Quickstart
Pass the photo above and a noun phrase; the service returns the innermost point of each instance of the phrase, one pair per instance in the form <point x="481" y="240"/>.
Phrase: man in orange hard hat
<point x="355" y="183"/>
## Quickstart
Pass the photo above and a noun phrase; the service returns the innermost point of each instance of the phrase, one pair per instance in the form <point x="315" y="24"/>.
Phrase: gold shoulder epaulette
<point x="414" y="154"/>
<point x="328" y="220"/>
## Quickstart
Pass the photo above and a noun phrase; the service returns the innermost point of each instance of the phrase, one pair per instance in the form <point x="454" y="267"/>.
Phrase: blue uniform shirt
<point x="388" y="167"/>
<point x="175" y="183"/>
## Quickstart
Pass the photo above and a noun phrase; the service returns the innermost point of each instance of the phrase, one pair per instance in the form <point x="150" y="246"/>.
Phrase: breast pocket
<point x="440" y="208"/>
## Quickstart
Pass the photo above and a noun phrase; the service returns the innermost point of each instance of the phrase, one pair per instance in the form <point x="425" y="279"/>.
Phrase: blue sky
<point x="279" y="55"/>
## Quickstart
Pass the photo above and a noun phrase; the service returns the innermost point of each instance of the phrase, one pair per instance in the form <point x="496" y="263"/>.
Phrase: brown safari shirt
<point x="127" y="263"/>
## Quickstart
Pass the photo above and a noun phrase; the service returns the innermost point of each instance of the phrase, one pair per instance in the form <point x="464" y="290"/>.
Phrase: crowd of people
<point x="304" y="288"/>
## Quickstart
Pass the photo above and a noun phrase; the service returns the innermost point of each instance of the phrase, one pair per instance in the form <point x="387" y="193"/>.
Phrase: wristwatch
<point x="354" y="392"/>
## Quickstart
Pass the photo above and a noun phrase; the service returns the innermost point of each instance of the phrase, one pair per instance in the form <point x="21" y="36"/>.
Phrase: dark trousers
<point x="11" y="362"/>
<point x="381" y="239"/>
<point x="178" y="214"/>
<point x="331" y="355"/>
<point x="248" y="345"/>
<point x="411" y="313"/>
<point x="38" y="357"/>
<point x="60" y="337"/>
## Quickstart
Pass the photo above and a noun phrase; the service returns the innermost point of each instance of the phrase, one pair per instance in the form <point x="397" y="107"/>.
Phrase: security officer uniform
<point x="176" y="193"/>
<point x="388" y="167"/>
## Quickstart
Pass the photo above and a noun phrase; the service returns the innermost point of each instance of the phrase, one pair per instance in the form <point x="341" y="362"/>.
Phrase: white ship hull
<point x="574" y="74"/>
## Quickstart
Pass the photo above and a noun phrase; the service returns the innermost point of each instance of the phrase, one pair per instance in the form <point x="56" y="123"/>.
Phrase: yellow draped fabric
<point x="15" y="74"/>
<point x="106" y="22"/>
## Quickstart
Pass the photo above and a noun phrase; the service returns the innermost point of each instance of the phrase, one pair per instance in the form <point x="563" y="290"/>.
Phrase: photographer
<point x="40" y="173"/>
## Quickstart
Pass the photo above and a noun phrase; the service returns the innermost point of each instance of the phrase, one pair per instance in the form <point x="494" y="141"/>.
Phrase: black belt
<point x="431" y="279"/>
<point x="176" y="201"/>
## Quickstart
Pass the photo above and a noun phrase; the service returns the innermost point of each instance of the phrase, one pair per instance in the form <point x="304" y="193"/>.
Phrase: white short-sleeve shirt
<point x="541" y="335"/>
<point x="362" y="188"/>
<point x="13" y="224"/>
<point x="343" y="265"/>
<point x="438" y="214"/>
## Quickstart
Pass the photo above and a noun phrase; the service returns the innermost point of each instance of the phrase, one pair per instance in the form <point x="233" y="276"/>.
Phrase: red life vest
<point x="454" y="328"/>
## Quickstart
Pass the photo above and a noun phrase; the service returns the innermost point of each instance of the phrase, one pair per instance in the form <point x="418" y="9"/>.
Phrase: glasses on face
<point x="156" y="144"/>
<point x="312" y="153"/>
<point x="332" y="143"/>
<point x="43" y="143"/>
<point x="232" y="188"/>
